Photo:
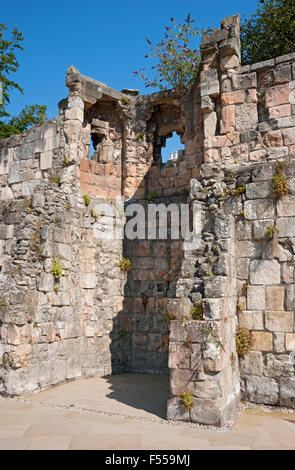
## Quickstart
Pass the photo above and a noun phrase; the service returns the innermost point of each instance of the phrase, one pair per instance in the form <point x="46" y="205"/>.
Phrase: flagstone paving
<point x="126" y="412"/>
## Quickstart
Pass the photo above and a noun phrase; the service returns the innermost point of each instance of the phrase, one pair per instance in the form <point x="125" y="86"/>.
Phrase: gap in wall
<point x="173" y="144"/>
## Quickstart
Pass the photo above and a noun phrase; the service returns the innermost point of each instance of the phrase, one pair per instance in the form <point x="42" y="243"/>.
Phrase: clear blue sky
<point x="103" y="39"/>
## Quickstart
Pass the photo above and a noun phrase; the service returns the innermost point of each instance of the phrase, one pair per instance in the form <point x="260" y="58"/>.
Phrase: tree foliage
<point x="30" y="115"/>
<point x="177" y="58"/>
<point x="270" y="32"/>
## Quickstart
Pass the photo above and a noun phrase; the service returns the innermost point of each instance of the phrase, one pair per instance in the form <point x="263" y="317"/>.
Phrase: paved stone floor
<point x="125" y="412"/>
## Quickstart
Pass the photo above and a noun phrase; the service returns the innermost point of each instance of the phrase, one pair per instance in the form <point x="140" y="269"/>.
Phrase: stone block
<point x="259" y="209"/>
<point x="277" y="95"/>
<point x="74" y="113"/>
<point x="261" y="390"/>
<point x="279" y="321"/>
<point x="6" y="232"/>
<point x="210" y="121"/>
<point x="6" y="194"/>
<point x="289" y="136"/>
<point x="46" y="160"/>
<point x="175" y="411"/>
<point x="290" y="297"/>
<point x="286" y="206"/>
<point x="264" y="272"/>
<point x="229" y="62"/>
<point x="242" y="268"/>
<point x="282" y="74"/>
<point x="275" y="297"/>
<point x="286" y="226"/>
<point x="247" y="249"/>
<point x="213" y="309"/>
<point x="287" y="389"/>
<point x="88" y="280"/>
<point x="279" y="342"/>
<point x="179" y="356"/>
<point x="251" y="320"/>
<point x="217" y="286"/>
<point x="282" y="110"/>
<point x="179" y="308"/>
<point x="255" y="298"/>
<point x="234" y="97"/>
<point x="207" y="104"/>
<point x="246" y="116"/>
<point x="252" y="363"/>
<point x="261" y="341"/>
<point x="290" y="341"/>
<point x="227" y="119"/>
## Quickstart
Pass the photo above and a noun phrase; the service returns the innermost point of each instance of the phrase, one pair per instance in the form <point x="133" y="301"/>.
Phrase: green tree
<point x="270" y="32"/>
<point x="30" y="115"/>
<point x="177" y="58"/>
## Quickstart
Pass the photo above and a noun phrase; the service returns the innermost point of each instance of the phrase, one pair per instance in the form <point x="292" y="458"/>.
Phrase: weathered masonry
<point x="67" y="310"/>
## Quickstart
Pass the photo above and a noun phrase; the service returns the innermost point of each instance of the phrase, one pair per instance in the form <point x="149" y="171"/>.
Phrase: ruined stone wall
<point x="236" y="124"/>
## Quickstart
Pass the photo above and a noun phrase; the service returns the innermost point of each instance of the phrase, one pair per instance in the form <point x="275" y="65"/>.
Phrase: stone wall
<point x="236" y="124"/>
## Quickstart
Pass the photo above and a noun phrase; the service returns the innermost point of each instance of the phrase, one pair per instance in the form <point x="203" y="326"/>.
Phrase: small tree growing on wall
<point x="177" y="58"/>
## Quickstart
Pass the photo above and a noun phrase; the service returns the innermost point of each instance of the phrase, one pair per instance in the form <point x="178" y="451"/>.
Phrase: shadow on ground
<point x="145" y="392"/>
<point x="139" y="395"/>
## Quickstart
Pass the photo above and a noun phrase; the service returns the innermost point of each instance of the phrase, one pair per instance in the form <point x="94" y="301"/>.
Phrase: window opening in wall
<point x="172" y="147"/>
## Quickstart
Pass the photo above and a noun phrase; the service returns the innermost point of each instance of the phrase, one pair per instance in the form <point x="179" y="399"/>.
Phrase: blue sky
<point x="103" y="39"/>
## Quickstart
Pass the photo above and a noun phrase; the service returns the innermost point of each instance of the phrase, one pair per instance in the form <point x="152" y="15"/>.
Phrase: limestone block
<point x="289" y="136"/>
<point x="282" y="74"/>
<point x="246" y="81"/>
<point x="175" y="411"/>
<point x="287" y="387"/>
<point x="75" y="102"/>
<point x="279" y="342"/>
<point x="207" y="104"/>
<point x="290" y="297"/>
<point x="264" y="272"/>
<point x="13" y="177"/>
<point x="279" y="321"/>
<point x="261" y="341"/>
<point x="261" y="390"/>
<point x="247" y="249"/>
<point x="177" y="331"/>
<point x="213" y="309"/>
<point x="46" y="160"/>
<point x="45" y="282"/>
<point x="259" y="209"/>
<point x="286" y="226"/>
<point x="242" y="268"/>
<point x="217" y="286"/>
<point x="6" y="194"/>
<point x="210" y="121"/>
<point x="290" y="341"/>
<point x="179" y="308"/>
<point x="229" y="47"/>
<point x="263" y="172"/>
<point x="255" y="298"/>
<point x="22" y="381"/>
<point x="251" y="320"/>
<point x="275" y="297"/>
<point x="276" y="112"/>
<point x="234" y="97"/>
<point x="259" y="190"/>
<point x="252" y="363"/>
<point x="6" y="232"/>
<point x="246" y="116"/>
<point x="74" y="113"/>
<point x="277" y="95"/>
<point x="227" y="119"/>
<point x="179" y="356"/>
<point x="88" y="280"/>
<point x="229" y="62"/>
